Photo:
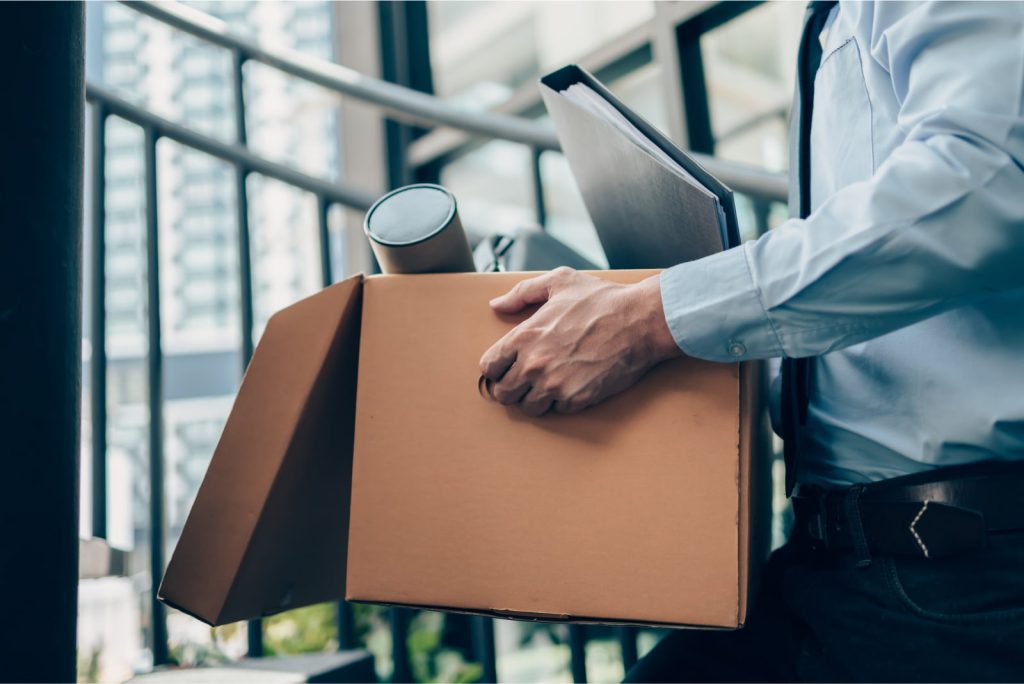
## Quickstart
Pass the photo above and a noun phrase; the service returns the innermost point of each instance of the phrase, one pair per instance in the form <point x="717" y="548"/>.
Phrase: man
<point x="896" y="301"/>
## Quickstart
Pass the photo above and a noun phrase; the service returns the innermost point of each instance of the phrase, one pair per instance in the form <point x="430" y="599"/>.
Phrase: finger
<point x="535" y="403"/>
<point x="511" y="388"/>
<point x="498" y="359"/>
<point x="483" y="388"/>
<point x="526" y="292"/>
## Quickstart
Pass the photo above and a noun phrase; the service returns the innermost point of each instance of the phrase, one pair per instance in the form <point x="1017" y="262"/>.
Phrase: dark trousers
<point x="819" y="617"/>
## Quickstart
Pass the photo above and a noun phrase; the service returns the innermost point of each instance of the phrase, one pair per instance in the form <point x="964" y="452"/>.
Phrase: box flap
<point x="269" y="525"/>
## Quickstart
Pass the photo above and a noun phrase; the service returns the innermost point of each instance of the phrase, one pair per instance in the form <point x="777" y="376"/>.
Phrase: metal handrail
<point x="233" y="153"/>
<point x="413" y="106"/>
<point x="406" y="104"/>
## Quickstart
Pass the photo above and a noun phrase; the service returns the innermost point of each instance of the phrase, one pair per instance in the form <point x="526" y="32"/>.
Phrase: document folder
<point x="652" y="205"/>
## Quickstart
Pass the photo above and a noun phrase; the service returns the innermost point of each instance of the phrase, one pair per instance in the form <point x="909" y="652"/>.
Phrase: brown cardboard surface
<point x="640" y="510"/>
<point x="630" y="511"/>
<point x="267" y="530"/>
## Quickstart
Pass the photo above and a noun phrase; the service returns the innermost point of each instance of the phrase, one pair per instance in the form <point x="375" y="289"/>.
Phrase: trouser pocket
<point x="983" y="586"/>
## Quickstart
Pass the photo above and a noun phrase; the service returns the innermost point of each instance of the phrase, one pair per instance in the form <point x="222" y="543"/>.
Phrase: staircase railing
<point x="401" y="103"/>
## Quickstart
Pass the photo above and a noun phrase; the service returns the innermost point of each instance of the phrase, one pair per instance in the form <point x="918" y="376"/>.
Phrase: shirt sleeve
<point x="939" y="224"/>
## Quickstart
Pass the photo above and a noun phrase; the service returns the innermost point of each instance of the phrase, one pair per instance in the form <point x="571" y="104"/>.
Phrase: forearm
<point x="941" y="223"/>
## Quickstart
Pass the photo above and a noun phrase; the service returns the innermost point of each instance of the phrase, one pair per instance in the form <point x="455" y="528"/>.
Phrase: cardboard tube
<point x="416" y="229"/>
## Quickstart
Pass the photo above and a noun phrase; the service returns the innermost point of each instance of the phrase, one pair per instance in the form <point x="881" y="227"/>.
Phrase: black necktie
<point x="796" y="373"/>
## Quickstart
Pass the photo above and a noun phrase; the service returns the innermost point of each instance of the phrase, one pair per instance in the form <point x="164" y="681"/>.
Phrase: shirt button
<point x="737" y="349"/>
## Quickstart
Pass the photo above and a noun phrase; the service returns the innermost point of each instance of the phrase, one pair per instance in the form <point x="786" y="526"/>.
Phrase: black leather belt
<point x="938" y="513"/>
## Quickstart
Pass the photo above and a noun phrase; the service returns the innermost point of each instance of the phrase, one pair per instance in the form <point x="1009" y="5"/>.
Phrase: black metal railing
<point x="401" y="103"/>
<point x="106" y="104"/>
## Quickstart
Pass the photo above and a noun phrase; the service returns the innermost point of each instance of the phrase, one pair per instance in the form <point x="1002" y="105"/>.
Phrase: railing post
<point x="154" y="359"/>
<point x="323" y="209"/>
<point x="244" y="264"/>
<point x="627" y="638"/>
<point x="254" y="636"/>
<point x="762" y="209"/>
<point x="399" y="618"/>
<point x="242" y="206"/>
<point x="346" y="626"/>
<point x="98" y="323"/>
<point x="538" y="187"/>
<point x="483" y="645"/>
<point x="578" y="653"/>
<point x="238" y="92"/>
<point x="254" y="629"/>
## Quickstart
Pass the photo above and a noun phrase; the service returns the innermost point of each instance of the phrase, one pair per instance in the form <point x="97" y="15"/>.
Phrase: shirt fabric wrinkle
<point x="917" y="220"/>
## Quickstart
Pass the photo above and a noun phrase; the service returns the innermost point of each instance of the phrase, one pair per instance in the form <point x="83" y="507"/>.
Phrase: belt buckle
<point x="817" y="528"/>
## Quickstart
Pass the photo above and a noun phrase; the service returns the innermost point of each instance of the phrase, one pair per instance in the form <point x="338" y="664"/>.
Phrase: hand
<point x="590" y="339"/>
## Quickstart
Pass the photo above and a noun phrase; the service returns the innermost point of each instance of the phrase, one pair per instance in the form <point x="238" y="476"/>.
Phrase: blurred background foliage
<point x="440" y="645"/>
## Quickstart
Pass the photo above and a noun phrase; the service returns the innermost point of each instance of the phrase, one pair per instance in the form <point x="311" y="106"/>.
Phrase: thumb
<point x="526" y="292"/>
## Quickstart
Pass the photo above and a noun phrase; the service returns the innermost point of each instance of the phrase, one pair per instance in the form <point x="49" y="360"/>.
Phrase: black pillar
<point x="405" y="60"/>
<point x="41" y="122"/>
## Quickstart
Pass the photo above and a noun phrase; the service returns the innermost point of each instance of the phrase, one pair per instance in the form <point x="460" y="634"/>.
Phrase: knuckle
<point x="554" y="389"/>
<point x="524" y="333"/>
<point x="583" y="399"/>
<point x="532" y="367"/>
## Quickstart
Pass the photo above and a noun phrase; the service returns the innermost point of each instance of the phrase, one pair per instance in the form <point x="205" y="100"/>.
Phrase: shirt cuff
<point x="714" y="311"/>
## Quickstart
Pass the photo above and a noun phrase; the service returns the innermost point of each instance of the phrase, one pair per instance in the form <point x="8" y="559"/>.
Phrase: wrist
<point x="658" y="337"/>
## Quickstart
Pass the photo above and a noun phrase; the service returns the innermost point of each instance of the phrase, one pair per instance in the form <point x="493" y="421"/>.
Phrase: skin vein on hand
<point x="590" y="339"/>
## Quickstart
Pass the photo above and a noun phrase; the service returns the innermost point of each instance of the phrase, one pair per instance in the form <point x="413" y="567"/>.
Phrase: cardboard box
<point x="648" y="508"/>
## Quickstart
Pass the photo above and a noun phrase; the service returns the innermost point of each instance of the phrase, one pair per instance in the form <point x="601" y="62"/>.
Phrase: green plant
<point x="89" y="665"/>
<point x="304" y="630"/>
<point x="430" y="659"/>
<point x="192" y="654"/>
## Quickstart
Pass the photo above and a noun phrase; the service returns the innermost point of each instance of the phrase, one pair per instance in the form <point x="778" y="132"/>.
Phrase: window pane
<point x="493" y="188"/>
<point x="567" y="216"/>
<point x="749" y="65"/>
<point x="285" y="246"/>
<point x="292" y="122"/>
<point x="199" y="288"/>
<point x="186" y="80"/>
<point x="481" y="52"/>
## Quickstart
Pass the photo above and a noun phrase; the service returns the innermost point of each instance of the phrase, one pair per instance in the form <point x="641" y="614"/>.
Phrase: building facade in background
<point x="185" y="80"/>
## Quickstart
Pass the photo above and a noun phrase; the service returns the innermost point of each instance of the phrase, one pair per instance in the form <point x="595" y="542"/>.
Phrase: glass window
<point x="642" y="90"/>
<point x="210" y="197"/>
<point x="285" y="246"/>
<point x="481" y="52"/>
<point x="567" y="217"/>
<point x="181" y="78"/>
<point x="292" y="122"/>
<point x="493" y="188"/>
<point x="749" y="66"/>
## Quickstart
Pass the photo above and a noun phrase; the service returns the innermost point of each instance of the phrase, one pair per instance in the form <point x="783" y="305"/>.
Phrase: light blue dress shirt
<point x="908" y="276"/>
